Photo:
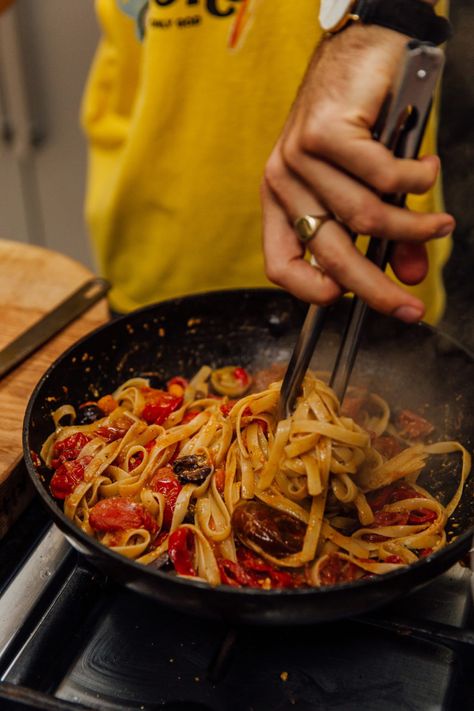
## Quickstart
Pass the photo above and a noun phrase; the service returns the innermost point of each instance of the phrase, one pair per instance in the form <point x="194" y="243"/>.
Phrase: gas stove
<point x="71" y="639"/>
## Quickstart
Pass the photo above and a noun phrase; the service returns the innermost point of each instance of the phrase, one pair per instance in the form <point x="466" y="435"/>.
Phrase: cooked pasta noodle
<point x="217" y="490"/>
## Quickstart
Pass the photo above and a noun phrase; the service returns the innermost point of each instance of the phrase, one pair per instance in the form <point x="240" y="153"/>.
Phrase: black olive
<point x="192" y="469"/>
<point x="275" y="532"/>
<point x="89" y="413"/>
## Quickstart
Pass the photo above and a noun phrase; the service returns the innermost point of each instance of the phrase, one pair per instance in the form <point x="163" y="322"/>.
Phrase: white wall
<point x="46" y="47"/>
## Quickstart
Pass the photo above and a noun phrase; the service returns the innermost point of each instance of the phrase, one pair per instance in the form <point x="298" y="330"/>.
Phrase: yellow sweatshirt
<point x="180" y="127"/>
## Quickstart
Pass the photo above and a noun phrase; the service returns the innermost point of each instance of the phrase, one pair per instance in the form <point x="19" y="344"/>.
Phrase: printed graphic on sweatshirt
<point x="191" y="14"/>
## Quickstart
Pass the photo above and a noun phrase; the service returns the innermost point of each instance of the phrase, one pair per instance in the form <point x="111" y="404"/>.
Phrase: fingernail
<point x="434" y="160"/>
<point x="409" y="314"/>
<point x="445" y="230"/>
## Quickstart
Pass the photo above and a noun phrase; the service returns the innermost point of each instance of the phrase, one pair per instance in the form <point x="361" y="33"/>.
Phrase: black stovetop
<point x="70" y="639"/>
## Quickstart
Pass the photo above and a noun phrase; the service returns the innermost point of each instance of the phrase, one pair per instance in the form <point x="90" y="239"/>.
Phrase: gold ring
<point x="308" y="226"/>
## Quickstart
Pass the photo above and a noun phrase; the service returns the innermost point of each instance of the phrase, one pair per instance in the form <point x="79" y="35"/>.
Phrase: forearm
<point x="4" y="4"/>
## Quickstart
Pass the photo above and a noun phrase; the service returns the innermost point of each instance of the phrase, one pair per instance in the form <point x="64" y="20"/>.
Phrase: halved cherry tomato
<point x="177" y="380"/>
<point x="241" y="375"/>
<point x="159" y="407"/>
<point x="253" y="571"/>
<point x="69" y="448"/>
<point x="390" y="494"/>
<point x="107" y="404"/>
<point x="420" y="516"/>
<point x="230" y="380"/>
<point x="352" y="405"/>
<point x="393" y="559"/>
<point x="119" y="514"/>
<point x="138" y="457"/>
<point x="338" y="570"/>
<point x="219" y="478"/>
<point x="391" y="518"/>
<point x="413" y="426"/>
<point x="387" y="445"/>
<point x="400" y="493"/>
<point x="35" y="458"/>
<point x="181" y="551"/>
<point x="189" y="415"/>
<point x="233" y="574"/>
<point x="374" y="538"/>
<point x="113" y="432"/>
<point x="67" y="476"/>
<point x="227" y="407"/>
<point x="166" y="483"/>
<point x="252" y="562"/>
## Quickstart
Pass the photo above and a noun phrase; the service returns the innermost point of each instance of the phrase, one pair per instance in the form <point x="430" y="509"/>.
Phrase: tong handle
<point x="402" y="133"/>
<point x="400" y="127"/>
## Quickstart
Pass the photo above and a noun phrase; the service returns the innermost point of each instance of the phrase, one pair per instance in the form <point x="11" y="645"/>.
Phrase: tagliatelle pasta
<point x="215" y="489"/>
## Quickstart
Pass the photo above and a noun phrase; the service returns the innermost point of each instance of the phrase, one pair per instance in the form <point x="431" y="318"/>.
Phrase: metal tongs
<point x="400" y="127"/>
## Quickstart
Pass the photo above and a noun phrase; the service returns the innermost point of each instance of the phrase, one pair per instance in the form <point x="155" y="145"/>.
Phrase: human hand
<point x="327" y="161"/>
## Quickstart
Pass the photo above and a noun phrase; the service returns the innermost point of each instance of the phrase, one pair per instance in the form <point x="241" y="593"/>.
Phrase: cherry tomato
<point x="159" y="407"/>
<point x="189" y="415"/>
<point x="67" y="449"/>
<point x="227" y="407"/>
<point x="219" y="478"/>
<point x="35" y="458"/>
<point x="241" y="375"/>
<point x="138" y="457"/>
<point x="390" y="494"/>
<point x="402" y="492"/>
<point x="181" y="551"/>
<point x="112" y="432"/>
<point x="233" y="574"/>
<point x="387" y="445"/>
<point x="253" y="571"/>
<point x="374" y="538"/>
<point x="413" y="426"/>
<point x="421" y="516"/>
<point x="177" y="380"/>
<point x="230" y="380"/>
<point x="67" y="476"/>
<point x="107" y="404"/>
<point x="252" y="562"/>
<point x="338" y="570"/>
<point x="120" y="514"/>
<point x="352" y="405"/>
<point x="393" y="559"/>
<point x="165" y="482"/>
<point x="391" y="518"/>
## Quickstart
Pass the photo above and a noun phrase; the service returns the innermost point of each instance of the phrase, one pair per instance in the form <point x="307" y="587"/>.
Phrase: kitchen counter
<point x="33" y="281"/>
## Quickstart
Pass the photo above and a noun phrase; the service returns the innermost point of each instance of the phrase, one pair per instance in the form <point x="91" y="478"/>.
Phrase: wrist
<point x="416" y="19"/>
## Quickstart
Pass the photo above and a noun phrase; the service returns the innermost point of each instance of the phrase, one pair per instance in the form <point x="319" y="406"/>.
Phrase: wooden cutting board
<point x="32" y="281"/>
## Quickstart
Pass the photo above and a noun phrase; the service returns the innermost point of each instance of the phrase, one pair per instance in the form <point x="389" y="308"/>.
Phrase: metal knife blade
<point x="48" y="326"/>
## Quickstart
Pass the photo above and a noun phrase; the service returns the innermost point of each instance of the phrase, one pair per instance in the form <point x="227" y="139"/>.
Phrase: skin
<point x="4" y="4"/>
<point x="326" y="161"/>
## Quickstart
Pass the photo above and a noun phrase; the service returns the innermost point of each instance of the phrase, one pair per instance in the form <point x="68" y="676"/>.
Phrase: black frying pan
<point x="411" y="366"/>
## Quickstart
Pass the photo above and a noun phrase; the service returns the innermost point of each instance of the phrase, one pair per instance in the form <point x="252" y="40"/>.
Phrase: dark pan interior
<point x="410" y="366"/>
